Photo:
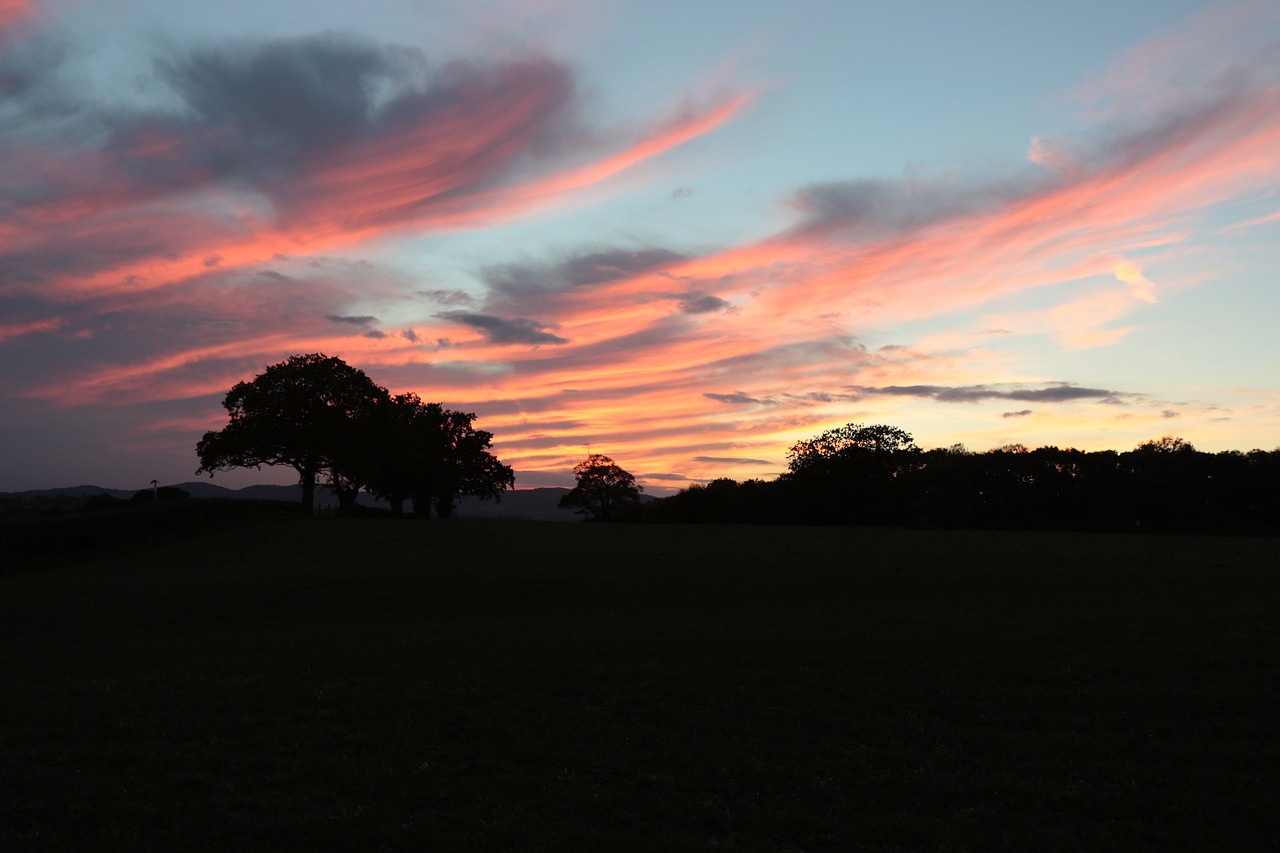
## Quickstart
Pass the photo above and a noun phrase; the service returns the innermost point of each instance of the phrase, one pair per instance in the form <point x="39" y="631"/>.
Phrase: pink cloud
<point x="162" y="196"/>
<point x="1253" y="223"/>
<point x="13" y="11"/>
<point x="16" y="330"/>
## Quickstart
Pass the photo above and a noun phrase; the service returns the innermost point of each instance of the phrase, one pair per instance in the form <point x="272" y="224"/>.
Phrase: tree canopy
<point x="294" y="413"/>
<point x="430" y="455"/>
<point x="323" y="417"/>
<point x="603" y="489"/>
<point x="854" y="473"/>
<point x="849" y="441"/>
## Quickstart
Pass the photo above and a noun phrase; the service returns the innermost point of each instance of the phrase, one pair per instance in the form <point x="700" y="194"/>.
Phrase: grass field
<point x="370" y="684"/>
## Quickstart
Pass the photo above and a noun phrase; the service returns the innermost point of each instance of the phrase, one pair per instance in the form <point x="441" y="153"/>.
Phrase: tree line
<point x="877" y="475"/>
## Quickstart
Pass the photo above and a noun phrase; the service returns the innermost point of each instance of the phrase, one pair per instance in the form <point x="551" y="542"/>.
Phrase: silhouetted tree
<point x="163" y="493"/>
<point x="387" y="452"/>
<point x="855" y="473"/>
<point x="726" y="501"/>
<point x="943" y="487"/>
<point x="467" y="468"/>
<point x="301" y="413"/>
<point x="1166" y="481"/>
<point x="603" y="490"/>
<point x="428" y="454"/>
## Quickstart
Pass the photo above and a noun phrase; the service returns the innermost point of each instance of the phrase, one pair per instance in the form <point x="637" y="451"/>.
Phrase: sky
<point x="685" y="234"/>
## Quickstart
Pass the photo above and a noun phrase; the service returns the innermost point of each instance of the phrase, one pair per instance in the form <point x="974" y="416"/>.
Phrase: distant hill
<point x="206" y="489"/>
<point x="200" y="489"/>
<point x="71" y="492"/>
<point x="524" y="504"/>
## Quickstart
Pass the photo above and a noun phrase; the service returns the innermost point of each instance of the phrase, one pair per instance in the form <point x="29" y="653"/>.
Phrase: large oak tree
<point x="299" y="413"/>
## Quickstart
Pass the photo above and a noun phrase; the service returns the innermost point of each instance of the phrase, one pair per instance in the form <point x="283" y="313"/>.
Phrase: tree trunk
<point x="346" y="500"/>
<point x="308" y="479"/>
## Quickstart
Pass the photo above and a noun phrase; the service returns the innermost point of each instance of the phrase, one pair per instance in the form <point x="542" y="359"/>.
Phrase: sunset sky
<point x="683" y="234"/>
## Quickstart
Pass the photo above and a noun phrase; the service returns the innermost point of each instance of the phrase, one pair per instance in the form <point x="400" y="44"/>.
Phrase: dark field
<point x="367" y="684"/>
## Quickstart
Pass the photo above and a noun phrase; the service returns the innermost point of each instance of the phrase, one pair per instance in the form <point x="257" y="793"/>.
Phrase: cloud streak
<point x="503" y="331"/>
<point x="1059" y="393"/>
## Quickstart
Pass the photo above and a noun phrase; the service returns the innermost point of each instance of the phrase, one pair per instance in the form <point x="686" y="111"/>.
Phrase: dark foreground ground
<point x="368" y="684"/>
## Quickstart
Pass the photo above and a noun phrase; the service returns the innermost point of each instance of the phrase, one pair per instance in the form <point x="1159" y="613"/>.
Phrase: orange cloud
<point x="1129" y="273"/>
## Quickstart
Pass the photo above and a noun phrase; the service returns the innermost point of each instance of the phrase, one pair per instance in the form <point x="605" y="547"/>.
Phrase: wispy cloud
<point x="735" y="399"/>
<point x="538" y="284"/>
<point x="30" y="327"/>
<point x="694" y="303"/>
<point x="1129" y="273"/>
<point x="317" y="142"/>
<point x="731" y="460"/>
<point x="1058" y="393"/>
<point x="503" y="331"/>
<point x="361" y="320"/>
